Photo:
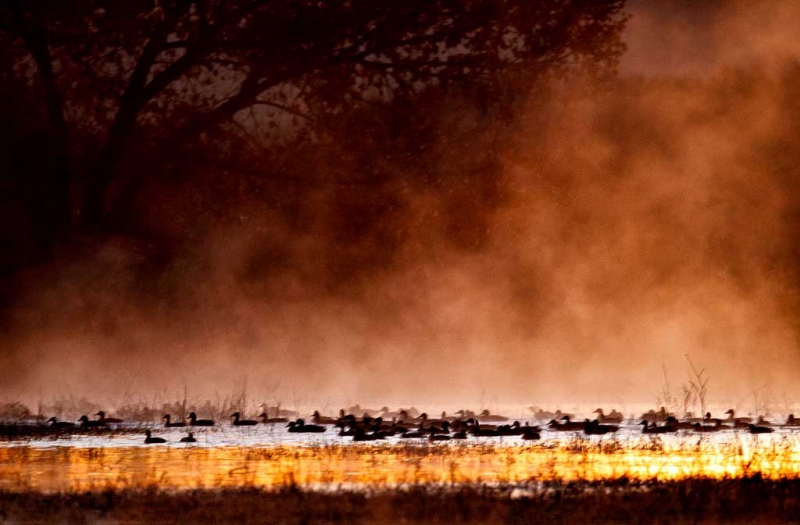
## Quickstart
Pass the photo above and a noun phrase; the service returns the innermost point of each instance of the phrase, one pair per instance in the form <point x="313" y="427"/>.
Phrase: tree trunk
<point x="52" y="210"/>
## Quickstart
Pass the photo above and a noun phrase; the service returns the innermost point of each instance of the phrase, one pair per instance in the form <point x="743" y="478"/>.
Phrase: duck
<point x="479" y="431"/>
<point x="595" y="428"/>
<point x="679" y="425"/>
<point x="300" y="426"/>
<point x="356" y="409"/>
<point x="169" y="424"/>
<point x="434" y="437"/>
<point x="514" y="429"/>
<point x="319" y="419"/>
<point x="614" y="417"/>
<point x="717" y="423"/>
<point x="242" y="422"/>
<point x="413" y="434"/>
<point x="60" y="425"/>
<point x="652" y="428"/>
<point x="359" y="434"/>
<point x="189" y="439"/>
<point x="566" y="425"/>
<point x="753" y="429"/>
<point x="149" y="440"/>
<point x="86" y="423"/>
<point x="101" y="416"/>
<point x="530" y="433"/>
<point x="472" y="422"/>
<point x="656" y="416"/>
<point x="732" y="417"/>
<point x="266" y="420"/>
<point x="792" y="421"/>
<point x="697" y="427"/>
<point x="487" y="416"/>
<point x="546" y="415"/>
<point x="760" y="421"/>
<point x="424" y="422"/>
<point x="277" y="412"/>
<point x="194" y="422"/>
<point x="346" y="429"/>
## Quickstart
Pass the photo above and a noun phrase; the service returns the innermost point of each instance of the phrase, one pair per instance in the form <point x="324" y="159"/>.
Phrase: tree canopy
<point x="116" y="82"/>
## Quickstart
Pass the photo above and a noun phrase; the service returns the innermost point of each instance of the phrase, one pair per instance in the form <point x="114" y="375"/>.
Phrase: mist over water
<point x="624" y="230"/>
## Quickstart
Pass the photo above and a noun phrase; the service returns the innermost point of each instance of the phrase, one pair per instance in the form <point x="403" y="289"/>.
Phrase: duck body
<point x="101" y="416"/>
<point x="753" y="429"/>
<point x="613" y="418"/>
<point x="266" y="420"/>
<point x="189" y="439"/>
<point x="299" y="426"/>
<point x="362" y="435"/>
<point x="242" y="422"/>
<point x="150" y="440"/>
<point x="168" y="423"/>
<point x="478" y="431"/>
<point x="697" y="427"/>
<point x="60" y="425"/>
<point x="86" y="423"/>
<point x="595" y="428"/>
<point x="319" y="419"/>
<point x="194" y="422"/>
<point x="565" y="425"/>
<point x="530" y="433"/>
<point x="413" y="434"/>
<point x="434" y="437"/>
<point x="733" y="419"/>
<point x="652" y="428"/>
<point x="487" y="417"/>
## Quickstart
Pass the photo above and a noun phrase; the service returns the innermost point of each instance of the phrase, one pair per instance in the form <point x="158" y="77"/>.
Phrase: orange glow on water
<point x="369" y="466"/>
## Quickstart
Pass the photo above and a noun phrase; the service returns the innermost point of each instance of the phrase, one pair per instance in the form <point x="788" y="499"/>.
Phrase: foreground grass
<point x="696" y="500"/>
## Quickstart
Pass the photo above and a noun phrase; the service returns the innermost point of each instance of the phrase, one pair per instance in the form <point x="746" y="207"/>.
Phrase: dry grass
<point x="744" y="500"/>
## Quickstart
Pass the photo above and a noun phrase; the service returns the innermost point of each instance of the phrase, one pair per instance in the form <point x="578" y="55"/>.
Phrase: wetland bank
<point x="268" y="475"/>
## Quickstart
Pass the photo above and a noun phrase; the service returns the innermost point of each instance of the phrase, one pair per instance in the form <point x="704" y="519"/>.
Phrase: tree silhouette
<point x="120" y="81"/>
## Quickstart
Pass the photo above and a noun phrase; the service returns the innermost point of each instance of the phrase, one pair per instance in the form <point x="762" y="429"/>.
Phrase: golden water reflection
<point x="375" y="466"/>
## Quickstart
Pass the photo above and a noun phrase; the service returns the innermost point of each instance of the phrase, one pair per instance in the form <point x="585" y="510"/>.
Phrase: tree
<point x="145" y="78"/>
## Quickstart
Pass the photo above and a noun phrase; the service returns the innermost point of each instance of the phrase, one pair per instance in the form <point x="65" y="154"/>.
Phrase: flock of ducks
<point x="662" y="422"/>
<point x="407" y="424"/>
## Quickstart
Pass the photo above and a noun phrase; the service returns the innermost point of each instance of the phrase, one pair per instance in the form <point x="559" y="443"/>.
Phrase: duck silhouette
<point x="266" y="420"/>
<point x="614" y="417"/>
<point x="433" y="437"/>
<point x="169" y="424"/>
<point x="86" y="423"/>
<point x="60" y="425"/>
<point x="754" y="429"/>
<point x="566" y="425"/>
<point x="299" y="426"/>
<point x="732" y="417"/>
<point x="652" y="428"/>
<point x="150" y="440"/>
<point x="359" y="434"/>
<point x="595" y="428"/>
<point x="530" y="433"/>
<point x="189" y="439"/>
<point x="319" y="419"/>
<point x="101" y="416"/>
<point x="242" y="422"/>
<point x="194" y="422"/>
